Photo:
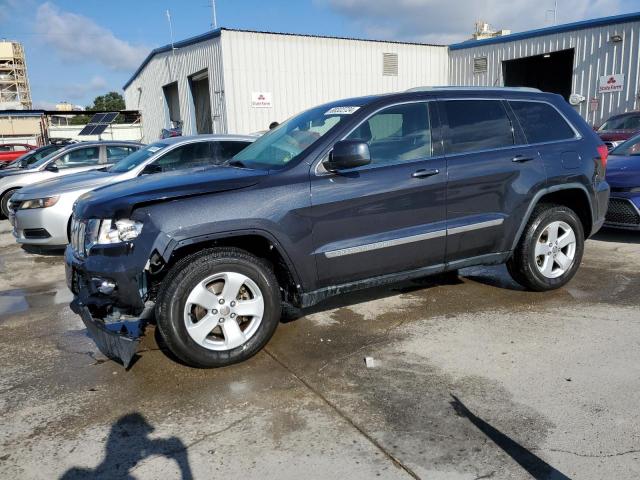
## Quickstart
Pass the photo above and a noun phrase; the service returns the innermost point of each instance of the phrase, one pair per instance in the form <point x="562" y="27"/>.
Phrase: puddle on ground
<point x="21" y="300"/>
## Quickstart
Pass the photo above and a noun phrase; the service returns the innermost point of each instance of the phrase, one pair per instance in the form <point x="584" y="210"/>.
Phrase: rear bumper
<point x="117" y="340"/>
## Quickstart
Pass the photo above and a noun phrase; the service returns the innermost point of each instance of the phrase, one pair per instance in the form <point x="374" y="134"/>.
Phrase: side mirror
<point x="348" y="154"/>
<point x="52" y="167"/>
<point x="151" y="169"/>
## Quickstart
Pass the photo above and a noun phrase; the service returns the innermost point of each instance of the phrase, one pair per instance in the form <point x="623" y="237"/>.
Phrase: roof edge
<point x="581" y="25"/>
<point x="217" y="32"/>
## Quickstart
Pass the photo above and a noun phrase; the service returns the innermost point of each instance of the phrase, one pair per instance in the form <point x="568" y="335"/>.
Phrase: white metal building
<point x="594" y="64"/>
<point x="241" y="81"/>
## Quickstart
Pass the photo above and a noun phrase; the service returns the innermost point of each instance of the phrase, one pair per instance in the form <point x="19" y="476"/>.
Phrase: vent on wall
<point x="480" y="65"/>
<point x="390" y="64"/>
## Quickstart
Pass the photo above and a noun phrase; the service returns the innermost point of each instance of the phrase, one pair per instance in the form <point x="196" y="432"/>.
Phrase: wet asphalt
<point x="473" y="378"/>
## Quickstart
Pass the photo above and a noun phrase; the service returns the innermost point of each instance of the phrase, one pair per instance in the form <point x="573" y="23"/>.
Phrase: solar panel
<point x="109" y="117"/>
<point x="99" y="123"/>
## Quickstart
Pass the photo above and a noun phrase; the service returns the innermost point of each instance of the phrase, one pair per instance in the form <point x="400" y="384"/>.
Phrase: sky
<point x="78" y="49"/>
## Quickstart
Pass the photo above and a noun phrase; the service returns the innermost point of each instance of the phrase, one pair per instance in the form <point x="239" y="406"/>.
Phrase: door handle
<point x="423" y="173"/>
<point x="521" y="159"/>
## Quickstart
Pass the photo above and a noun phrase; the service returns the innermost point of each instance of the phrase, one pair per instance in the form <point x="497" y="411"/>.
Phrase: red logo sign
<point x="611" y="80"/>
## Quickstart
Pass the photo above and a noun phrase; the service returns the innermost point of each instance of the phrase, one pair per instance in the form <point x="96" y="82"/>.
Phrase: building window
<point x="480" y="65"/>
<point x="390" y="64"/>
<point x="172" y="101"/>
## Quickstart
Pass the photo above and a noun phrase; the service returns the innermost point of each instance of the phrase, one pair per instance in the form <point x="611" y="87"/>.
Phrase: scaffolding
<point x="14" y="84"/>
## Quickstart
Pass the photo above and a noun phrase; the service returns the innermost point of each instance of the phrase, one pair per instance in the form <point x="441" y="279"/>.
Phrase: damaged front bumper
<point x="117" y="340"/>
<point x="114" y="316"/>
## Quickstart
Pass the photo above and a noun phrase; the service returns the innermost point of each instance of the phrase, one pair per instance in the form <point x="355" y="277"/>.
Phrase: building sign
<point x="611" y="83"/>
<point x="261" y="100"/>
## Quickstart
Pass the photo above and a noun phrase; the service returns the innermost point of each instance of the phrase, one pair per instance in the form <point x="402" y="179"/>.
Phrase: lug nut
<point x="221" y="320"/>
<point x="221" y="301"/>
<point x="214" y="311"/>
<point x="233" y="304"/>
<point x="233" y="315"/>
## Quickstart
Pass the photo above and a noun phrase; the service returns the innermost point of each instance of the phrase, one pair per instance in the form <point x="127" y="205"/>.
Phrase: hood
<point x="623" y="171"/>
<point x="67" y="183"/>
<point x="118" y="201"/>
<point x="11" y="171"/>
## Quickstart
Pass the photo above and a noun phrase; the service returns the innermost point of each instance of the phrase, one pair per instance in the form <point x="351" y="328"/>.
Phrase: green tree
<point x="112" y="102"/>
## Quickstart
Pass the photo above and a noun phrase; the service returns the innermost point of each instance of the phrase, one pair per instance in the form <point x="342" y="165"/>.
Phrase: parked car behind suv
<point x="619" y="129"/>
<point x="31" y="157"/>
<point x="351" y="194"/>
<point x="75" y="158"/>
<point x="41" y="213"/>
<point x="11" y="151"/>
<point x="623" y="175"/>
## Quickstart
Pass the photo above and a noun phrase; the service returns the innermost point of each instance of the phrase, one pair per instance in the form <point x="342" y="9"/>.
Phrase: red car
<point x="619" y="128"/>
<point x="11" y="151"/>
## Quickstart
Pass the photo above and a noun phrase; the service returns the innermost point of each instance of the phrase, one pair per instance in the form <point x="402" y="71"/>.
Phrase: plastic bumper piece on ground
<point x="117" y="340"/>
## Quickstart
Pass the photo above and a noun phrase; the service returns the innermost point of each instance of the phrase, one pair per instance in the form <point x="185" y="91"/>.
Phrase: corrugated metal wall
<point x="301" y="72"/>
<point x="594" y="56"/>
<point x="145" y="92"/>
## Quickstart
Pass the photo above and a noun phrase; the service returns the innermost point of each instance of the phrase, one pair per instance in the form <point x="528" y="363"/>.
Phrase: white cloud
<point x="79" y="39"/>
<point x="443" y="22"/>
<point x="78" y="91"/>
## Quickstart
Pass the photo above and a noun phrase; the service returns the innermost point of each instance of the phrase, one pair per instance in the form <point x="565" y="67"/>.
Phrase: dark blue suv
<point x="351" y="194"/>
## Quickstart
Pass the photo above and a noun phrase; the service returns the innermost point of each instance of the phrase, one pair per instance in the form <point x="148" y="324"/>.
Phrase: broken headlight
<point x="107" y="231"/>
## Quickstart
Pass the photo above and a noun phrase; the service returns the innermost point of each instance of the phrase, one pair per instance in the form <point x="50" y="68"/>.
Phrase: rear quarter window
<point x="476" y="125"/>
<point x="541" y="122"/>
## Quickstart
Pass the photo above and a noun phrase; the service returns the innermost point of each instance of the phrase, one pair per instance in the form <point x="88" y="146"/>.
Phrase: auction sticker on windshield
<point x="342" y="110"/>
<point x="154" y="149"/>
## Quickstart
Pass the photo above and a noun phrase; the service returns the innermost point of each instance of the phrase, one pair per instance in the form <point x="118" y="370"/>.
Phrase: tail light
<point x="604" y="155"/>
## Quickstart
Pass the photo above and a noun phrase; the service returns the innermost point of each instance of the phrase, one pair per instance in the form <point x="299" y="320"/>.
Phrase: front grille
<point x="36" y="233"/>
<point x="622" y="212"/>
<point x="78" y="230"/>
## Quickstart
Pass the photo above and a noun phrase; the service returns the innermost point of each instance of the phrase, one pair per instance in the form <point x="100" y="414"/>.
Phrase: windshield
<point x="626" y="122"/>
<point x="137" y="158"/>
<point x="630" y="147"/>
<point x="48" y="156"/>
<point x="33" y="156"/>
<point x="279" y="146"/>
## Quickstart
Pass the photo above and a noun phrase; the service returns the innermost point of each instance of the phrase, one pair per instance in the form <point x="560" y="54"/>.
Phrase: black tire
<point x="180" y="281"/>
<point x="522" y="265"/>
<point x="4" y="202"/>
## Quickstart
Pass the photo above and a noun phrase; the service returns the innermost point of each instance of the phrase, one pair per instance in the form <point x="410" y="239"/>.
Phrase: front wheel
<point x="550" y="251"/>
<point x="218" y="307"/>
<point x="4" y="203"/>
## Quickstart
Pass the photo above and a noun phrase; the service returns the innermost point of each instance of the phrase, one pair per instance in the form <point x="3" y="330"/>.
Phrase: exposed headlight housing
<point x="107" y="231"/>
<point x="39" y="203"/>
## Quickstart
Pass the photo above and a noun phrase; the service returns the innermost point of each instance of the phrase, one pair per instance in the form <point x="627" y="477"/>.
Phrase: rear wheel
<point x="550" y="251"/>
<point x="4" y="202"/>
<point x="218" y="307"/>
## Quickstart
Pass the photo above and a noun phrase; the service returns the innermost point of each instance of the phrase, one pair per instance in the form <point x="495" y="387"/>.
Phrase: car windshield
<point x="137" y="158"/>
<point x="279" y="146"/>
<point x="625" y="122"/>
<point x="630" y="147"/>
<point x="44" y="160"/>
<point x="33" y="156"/>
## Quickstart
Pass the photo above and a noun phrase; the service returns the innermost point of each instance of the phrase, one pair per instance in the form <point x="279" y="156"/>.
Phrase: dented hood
<point x="117" y="201"/>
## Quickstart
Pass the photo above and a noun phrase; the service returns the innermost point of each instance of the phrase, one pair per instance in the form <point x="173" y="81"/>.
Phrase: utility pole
<point x="214" y="18"/>
<point x="170" y="28"/>
<point x="555" y="12"/>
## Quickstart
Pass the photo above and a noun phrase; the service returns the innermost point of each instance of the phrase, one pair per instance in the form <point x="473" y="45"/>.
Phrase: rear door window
<point x="116" y="153"/>
<point x="541" y="122"/>
<point x="476" y="125"/>
<point x="226" y="150"/>
<point x="187" y="156"/>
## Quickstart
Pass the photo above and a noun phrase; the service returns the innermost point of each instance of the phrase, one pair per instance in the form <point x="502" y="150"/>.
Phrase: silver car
<point x="78" y="157"/>
<point x="41" y="214"/>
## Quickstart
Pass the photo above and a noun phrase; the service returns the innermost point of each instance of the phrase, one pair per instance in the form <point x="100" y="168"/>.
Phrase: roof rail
<point x="472" y="89"/>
